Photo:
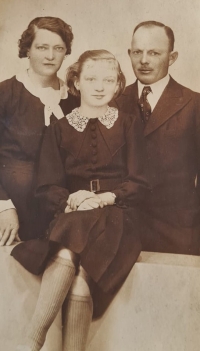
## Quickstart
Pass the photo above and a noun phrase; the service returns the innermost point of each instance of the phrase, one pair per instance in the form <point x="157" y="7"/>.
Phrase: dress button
<point x="94" y="143"/>
<point x="94" y="152"/>
<point x="94" y="135"/>
<point x="92" y="127"/>
<point x="120" y="202"/>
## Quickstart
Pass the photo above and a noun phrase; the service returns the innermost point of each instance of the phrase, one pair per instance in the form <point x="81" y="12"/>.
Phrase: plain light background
<point x="107" y="24"/>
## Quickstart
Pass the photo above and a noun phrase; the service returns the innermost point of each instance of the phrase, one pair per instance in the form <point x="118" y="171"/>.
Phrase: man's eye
<point x="154" y="53"/>
<point x="136" y="52"/>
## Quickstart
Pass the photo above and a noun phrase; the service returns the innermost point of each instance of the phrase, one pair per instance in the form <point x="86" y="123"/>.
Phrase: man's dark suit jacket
<point x="171" y="212"/>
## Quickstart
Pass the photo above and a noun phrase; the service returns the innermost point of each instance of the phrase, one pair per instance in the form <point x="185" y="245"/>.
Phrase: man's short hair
<point x="169" y="32"/>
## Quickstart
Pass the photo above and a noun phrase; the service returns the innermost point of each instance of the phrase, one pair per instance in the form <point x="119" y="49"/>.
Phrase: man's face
<point x="150" y="54"/>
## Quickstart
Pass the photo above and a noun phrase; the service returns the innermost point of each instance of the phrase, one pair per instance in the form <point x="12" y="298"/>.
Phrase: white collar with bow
<point x="48" y="96"/>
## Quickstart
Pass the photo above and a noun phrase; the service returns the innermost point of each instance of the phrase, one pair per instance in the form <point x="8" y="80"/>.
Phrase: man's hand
<point x="9" y="226"/>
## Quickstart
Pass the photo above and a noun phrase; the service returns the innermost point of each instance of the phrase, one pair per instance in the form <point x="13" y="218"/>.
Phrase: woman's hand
<point x="90" y="204"/>
<point x="107" y="198"/>
<point x="78" y="197"/>
<point x="9" y="226"/>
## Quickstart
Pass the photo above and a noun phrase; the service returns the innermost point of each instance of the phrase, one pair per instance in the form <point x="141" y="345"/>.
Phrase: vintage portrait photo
<point x="99" y="175"/>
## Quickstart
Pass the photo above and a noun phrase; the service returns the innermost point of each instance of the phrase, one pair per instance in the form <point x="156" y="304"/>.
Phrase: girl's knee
<point x="67" y="255"/>
<point x="81" y="284"/>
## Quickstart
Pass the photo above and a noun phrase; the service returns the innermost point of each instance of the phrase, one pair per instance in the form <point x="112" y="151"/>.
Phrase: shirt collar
<point x="157" y="87"/>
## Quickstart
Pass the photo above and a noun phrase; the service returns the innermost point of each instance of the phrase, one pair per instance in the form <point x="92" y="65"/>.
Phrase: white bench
<point x="157" y="308"/>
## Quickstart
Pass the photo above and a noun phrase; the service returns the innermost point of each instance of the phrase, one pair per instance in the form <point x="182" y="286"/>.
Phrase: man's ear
<point x="129" y="52"/>
<point x="173" y="57"/>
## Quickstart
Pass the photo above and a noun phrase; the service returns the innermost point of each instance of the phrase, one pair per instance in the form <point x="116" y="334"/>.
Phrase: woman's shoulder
<point x="9" y="90"/>
<point x="8" y="83"/>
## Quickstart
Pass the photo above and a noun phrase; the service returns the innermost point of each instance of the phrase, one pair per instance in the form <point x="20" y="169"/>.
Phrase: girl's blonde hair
<point x="74" y="71"/>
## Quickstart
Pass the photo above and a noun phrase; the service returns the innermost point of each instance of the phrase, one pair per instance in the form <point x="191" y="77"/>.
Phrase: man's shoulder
<point x="174" y="85"/>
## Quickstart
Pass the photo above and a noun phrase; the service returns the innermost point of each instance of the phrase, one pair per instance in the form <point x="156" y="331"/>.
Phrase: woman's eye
<point x="41" y="48"/>
<point x="59" y="49"/>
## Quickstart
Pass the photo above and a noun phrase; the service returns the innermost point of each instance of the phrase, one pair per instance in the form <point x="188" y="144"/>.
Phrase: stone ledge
<point x="157" y="308"/>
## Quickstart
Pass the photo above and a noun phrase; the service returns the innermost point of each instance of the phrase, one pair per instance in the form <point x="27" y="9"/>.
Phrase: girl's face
<point x="97" y="82"/>
<point x="46" y="53"/>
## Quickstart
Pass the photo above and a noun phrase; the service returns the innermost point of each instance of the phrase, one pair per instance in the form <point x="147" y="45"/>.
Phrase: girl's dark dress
<point x="107" y="239"/>
<point x="21" y="129"/>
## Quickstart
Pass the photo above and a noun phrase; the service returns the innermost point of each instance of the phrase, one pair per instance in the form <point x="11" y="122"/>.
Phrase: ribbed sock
<point x="56" y="282"/>
<point x="78" y="317"/>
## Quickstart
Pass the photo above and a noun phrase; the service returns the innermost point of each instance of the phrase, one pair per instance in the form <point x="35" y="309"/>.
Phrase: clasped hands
<point x="83" y="200"/>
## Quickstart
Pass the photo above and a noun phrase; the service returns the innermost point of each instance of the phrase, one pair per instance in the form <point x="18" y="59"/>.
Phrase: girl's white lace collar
<point x="80" y="122"/>
<point x="48" y="96"/>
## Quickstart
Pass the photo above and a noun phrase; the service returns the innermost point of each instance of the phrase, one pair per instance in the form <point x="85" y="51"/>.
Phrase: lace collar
<point x="48" y="96"/>
<point x="80" y="122"/>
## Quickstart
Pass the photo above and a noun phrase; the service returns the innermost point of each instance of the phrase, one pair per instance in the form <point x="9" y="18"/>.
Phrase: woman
<point x="91" y="180"/>
<point x="27" y="102"/>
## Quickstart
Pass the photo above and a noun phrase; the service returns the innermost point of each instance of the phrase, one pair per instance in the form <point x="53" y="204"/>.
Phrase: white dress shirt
<point x="156" y="90"/>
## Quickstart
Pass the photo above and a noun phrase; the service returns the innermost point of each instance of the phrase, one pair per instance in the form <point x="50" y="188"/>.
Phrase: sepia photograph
<point x="99" y="175"/>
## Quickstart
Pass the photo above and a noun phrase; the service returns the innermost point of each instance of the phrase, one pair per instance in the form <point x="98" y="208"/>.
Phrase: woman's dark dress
<point x="106" y="239"/>
<point x="21" y="129"/>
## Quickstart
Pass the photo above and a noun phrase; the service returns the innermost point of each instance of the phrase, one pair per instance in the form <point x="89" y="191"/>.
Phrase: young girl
<point x="91" y="181"/>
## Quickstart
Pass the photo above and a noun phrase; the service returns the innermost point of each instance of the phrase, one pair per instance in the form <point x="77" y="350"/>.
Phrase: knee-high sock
<point x="56" y="282"/>
<point x="78" y="317"/>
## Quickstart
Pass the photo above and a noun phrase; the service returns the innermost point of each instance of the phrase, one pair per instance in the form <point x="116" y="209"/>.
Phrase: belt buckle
<point x="94" y="185"/>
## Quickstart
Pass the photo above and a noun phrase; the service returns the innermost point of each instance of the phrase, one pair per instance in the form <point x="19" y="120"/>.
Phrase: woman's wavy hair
<point x="53" y="24"/>
<point x="74" y="71"/>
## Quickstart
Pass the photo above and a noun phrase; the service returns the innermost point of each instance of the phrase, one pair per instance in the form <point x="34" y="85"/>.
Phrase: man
<point x="171" y="117"/>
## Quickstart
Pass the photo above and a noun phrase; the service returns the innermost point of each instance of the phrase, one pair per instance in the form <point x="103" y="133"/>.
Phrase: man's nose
<point x="144" y="58"/>
<point x="50" y="54"/>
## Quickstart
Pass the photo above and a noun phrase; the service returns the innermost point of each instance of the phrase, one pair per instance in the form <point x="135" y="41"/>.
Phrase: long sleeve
<point x="135" y="183"/>
<point x="4" y="102"/>
<point x="51" y="184"/>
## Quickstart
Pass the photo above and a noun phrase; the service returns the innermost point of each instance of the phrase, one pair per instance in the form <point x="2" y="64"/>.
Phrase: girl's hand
<point x="78" y="197"/>
<point x="90" y="204"/>
<point x="107" y="198"/>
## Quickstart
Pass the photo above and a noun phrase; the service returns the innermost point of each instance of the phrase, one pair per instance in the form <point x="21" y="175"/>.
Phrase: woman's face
<point x="46" y="53"/>
<point x="97" y="82"/>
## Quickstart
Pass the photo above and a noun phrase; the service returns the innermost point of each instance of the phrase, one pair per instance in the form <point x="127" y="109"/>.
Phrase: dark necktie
<point x="144" y="104"/>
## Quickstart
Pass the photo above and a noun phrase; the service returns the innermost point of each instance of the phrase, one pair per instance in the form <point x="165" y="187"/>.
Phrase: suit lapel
<point x="170" y="102"/>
